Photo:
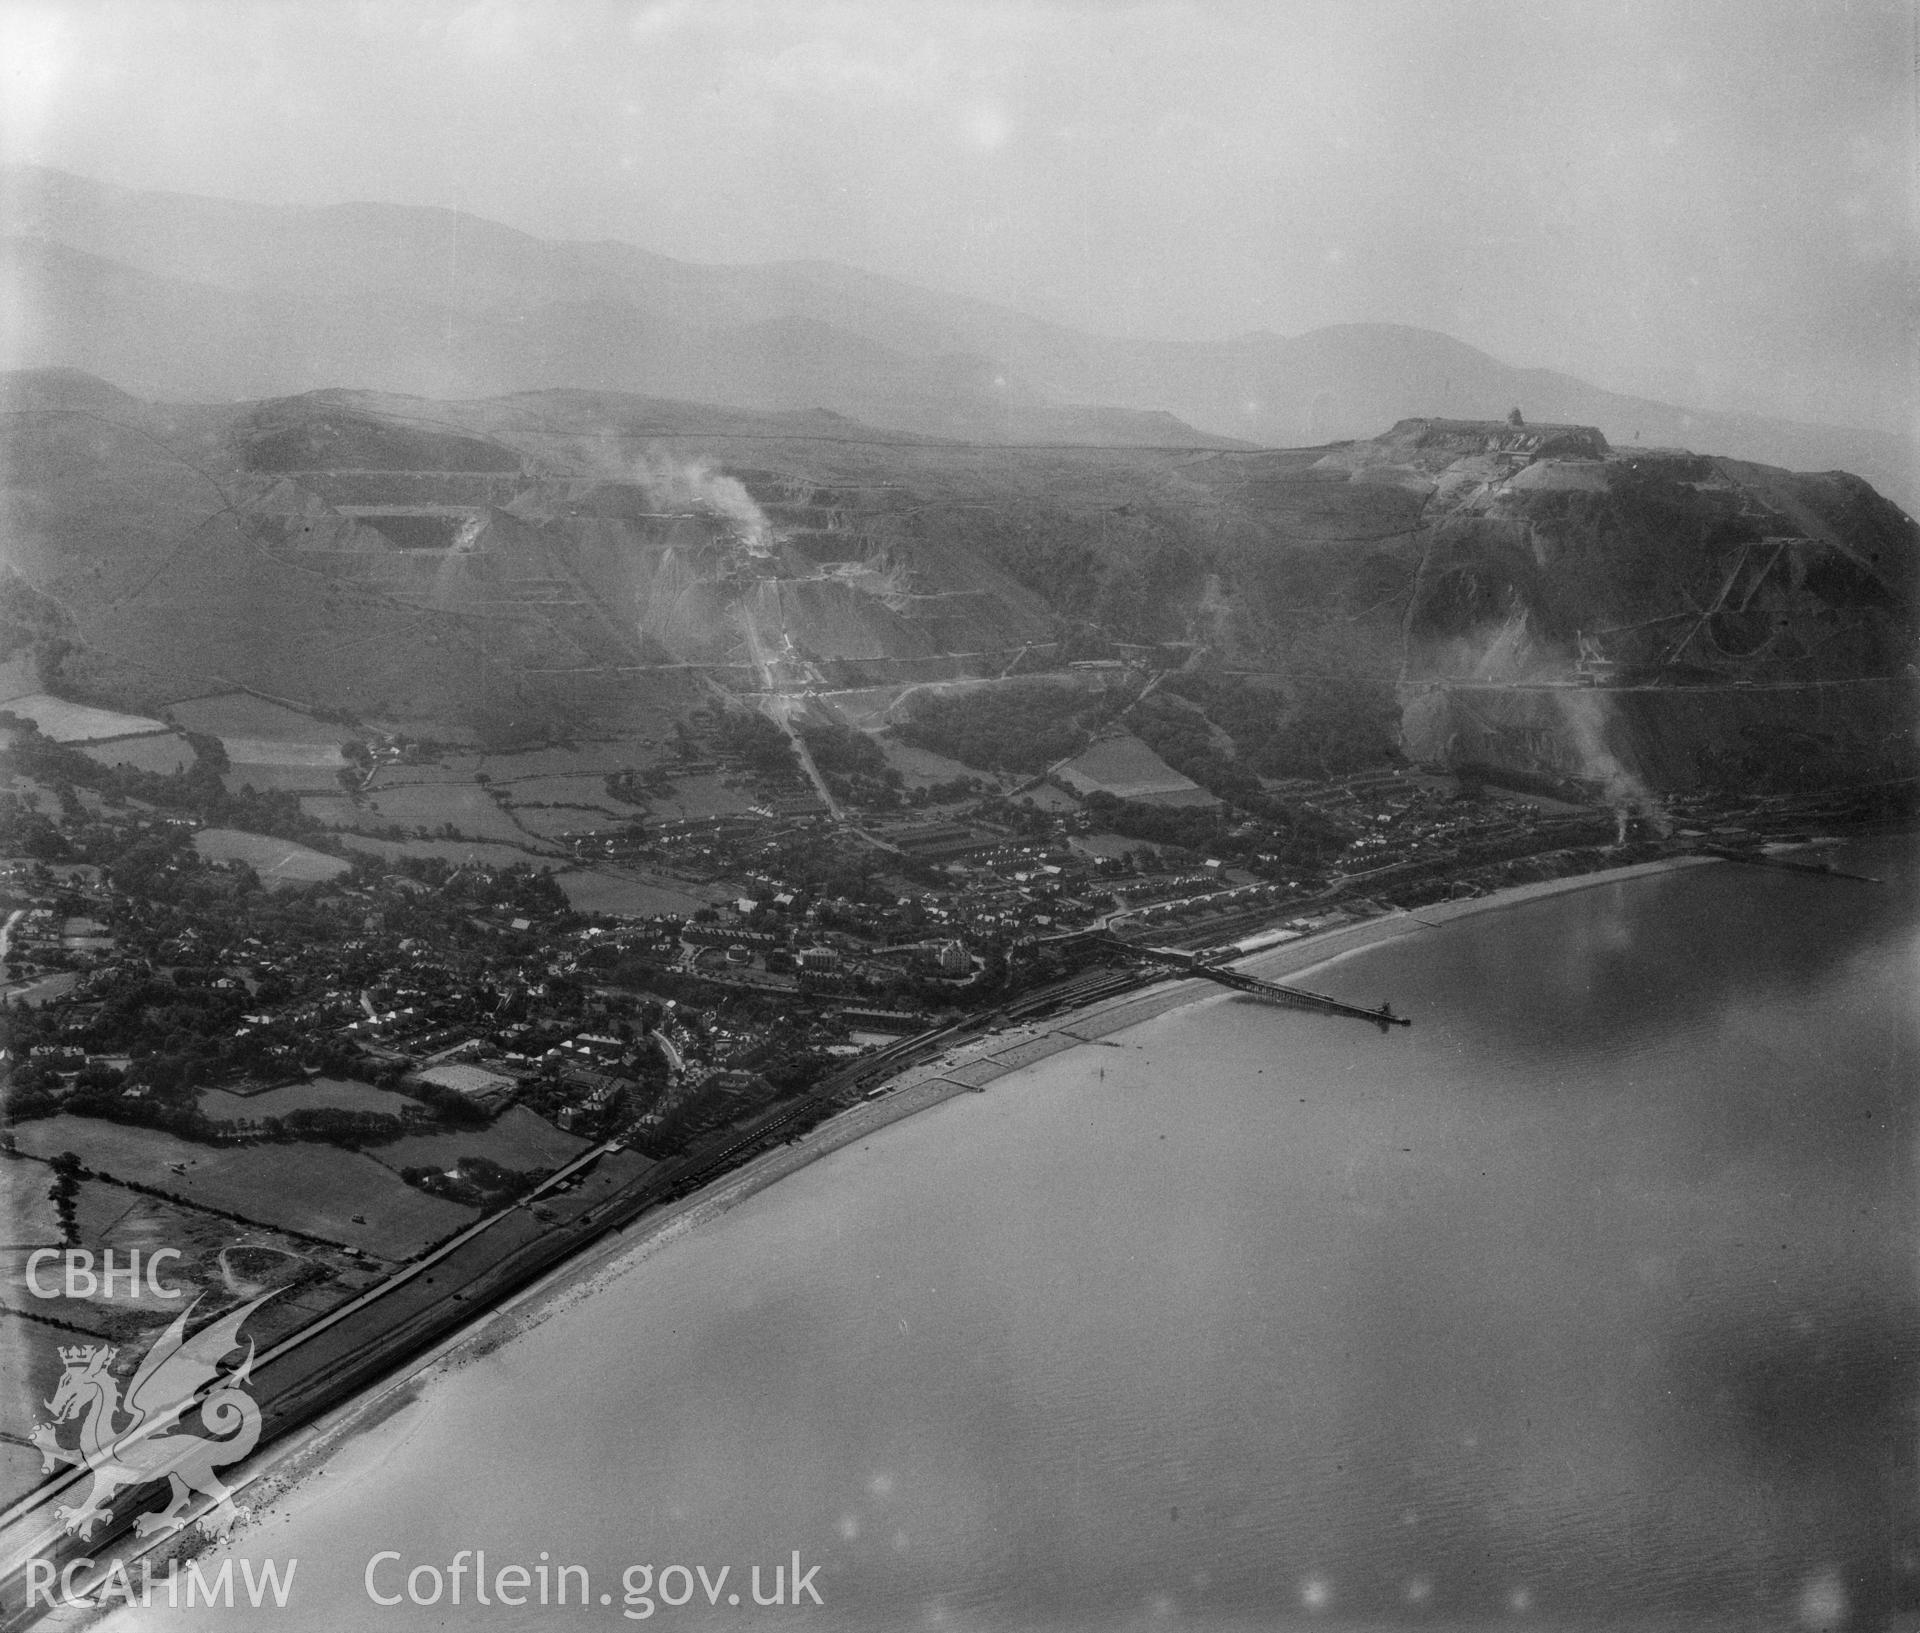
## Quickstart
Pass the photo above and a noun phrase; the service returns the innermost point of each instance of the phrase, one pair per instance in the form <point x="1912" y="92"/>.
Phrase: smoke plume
<point x="695" y="485"/>
<point x="1508" y="654"/>
<point x="1585" y="710"/>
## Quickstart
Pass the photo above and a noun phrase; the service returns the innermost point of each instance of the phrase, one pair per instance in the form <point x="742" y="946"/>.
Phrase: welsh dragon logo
<point x="135" y="1440"/>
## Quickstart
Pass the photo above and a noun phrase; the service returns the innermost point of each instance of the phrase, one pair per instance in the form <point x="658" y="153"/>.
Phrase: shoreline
<point x="1312" y="952"/>
<point x="969" y="1065"/>
<point x="277" y="1471"/>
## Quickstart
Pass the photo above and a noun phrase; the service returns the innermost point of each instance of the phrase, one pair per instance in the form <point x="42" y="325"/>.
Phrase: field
<point x="582" y="790"/>
<point x="441" y="730"/>
<point x="220" y="1258"/>
<point x="455" y="768"/>
<point x="615" y="890"/>
<point x="277" y="861"/>
<point x="111" y="1216"/>
<point x="701" y="797"/>
<point x="433" y="805"/>
<point x="546" y="793"/>
<point x="38" y="989"/>
<point x="278" y="779"/>
<point x="27" y="1216"/>
<point x="1048" y="798"/>
<point x="269" y="751"/>
<point x="314" y="1189"/>
<point x="1125" y="767"/>
<point x="549" y="822"/>
<point x="33" y="796"/>
<point x="79" y="934"/>
<point x="163" y="753"/>
<point x="269" y="748"/>
<point x="592" y="759"/>
<point x="517" y="1138"/>
<point x="241" y="716"/>
<point x="336" y="810"/>
<point x="448" y="850"/>
<point x="921" y="767"/>
<point x="1104" y="844"/>
<point x="68" y="722"/>
<point x="320" y="1093"/>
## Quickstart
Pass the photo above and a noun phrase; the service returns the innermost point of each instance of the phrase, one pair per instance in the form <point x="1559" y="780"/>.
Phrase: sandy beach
<point x="970" y="1066"/>
<point x="967" y="1067"/>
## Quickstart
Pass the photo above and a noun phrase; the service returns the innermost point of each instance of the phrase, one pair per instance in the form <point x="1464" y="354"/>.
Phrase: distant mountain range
<point x="169" y="295"/>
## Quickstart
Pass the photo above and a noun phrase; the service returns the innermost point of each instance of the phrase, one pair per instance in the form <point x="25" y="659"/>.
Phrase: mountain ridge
<point x="442" y="303"/>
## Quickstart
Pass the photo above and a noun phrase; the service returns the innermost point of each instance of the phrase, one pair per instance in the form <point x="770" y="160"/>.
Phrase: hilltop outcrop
<point x="1494" y="595"/>
<point x="1648" y="617"/>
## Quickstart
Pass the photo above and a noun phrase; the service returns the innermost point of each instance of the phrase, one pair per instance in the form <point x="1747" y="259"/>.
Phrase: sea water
<point x="1589" y="1299"/>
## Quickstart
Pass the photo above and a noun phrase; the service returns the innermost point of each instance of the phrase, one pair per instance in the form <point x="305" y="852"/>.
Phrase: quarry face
<point x="1534" y="598"/>
<point x="1667" y="618"/>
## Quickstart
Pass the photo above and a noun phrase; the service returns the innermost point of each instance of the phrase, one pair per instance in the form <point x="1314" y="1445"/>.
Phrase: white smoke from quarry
<point x="1498" y="655"/>
<point x="681" y="484"/>
<point x="1585" y="711"/>
<point x="1508" y="654"/>
<point x="454" y="560"/>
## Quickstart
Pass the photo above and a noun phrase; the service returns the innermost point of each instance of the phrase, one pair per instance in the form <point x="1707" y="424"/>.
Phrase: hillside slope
<point x="134" y="285"/>
<point x="549" y="558"/>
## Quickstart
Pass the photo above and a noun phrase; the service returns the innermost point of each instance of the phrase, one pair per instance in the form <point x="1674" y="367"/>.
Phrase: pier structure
<point x="1764" y="859"/>
<point x="1297" y="997"/>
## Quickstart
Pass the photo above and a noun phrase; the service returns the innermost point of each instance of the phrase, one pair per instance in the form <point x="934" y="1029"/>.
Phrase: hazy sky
<point x="1713" y="202"/>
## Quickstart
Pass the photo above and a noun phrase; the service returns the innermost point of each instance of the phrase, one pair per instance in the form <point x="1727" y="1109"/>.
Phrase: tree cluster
<point x="753" y="738"/>
<point x="1320" y="725"/>
<point x="473" y="1182"/>
<point x="1022" y="727"/>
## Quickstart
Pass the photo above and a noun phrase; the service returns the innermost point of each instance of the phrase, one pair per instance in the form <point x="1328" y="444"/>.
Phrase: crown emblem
<point x="80" y="1354"/>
